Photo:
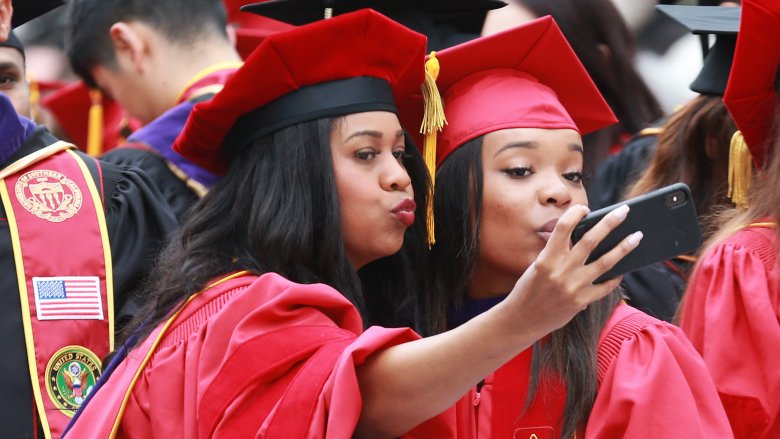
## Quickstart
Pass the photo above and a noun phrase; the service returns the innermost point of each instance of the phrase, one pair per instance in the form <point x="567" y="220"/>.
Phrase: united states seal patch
<point x="70" y="376"/>
<point x="48" y="195"/>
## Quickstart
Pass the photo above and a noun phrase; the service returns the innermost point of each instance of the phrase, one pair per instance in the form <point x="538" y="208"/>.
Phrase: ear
<point x="128" y="45"/>
<point x="5" y="19"/>
<point x="605" y="52"/>
<point x="231" y="33"/>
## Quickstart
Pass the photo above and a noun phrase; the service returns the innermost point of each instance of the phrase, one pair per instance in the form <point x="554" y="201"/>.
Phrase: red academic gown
<point x="652" y="384"/>
<point x="251" y="357"/>
<point x="731" y="313"/>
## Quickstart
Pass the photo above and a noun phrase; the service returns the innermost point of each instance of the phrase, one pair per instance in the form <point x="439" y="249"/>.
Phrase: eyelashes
<point x="526" y="171"/>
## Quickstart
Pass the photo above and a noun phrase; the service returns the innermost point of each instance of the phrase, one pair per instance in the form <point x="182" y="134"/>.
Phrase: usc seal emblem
<point x="48" y="195"/>
<point x="70" y="376"/>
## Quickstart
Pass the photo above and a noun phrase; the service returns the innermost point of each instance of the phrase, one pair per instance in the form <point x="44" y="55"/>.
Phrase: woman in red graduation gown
<point x="510" y="164"/>
<point x="731" y="308"/>
<point x="258" y="323"/>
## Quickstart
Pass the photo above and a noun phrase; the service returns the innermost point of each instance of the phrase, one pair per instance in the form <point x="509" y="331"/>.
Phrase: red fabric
<point x="525" y="77"/>
<point x="362" y="43"/>
<point x="750" y="94"/>
<point x="218" y="77"/>
<point x="731" y="313"/>
<point x="79" y="252"/>
<point x="260" y="357"/>
<point x="70" y="106"/>
<point x="655" y="386"/>
<point x="251" y="29"/>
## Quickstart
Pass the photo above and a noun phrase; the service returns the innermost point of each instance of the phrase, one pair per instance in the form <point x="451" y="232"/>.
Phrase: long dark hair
<point x="570" y="352"/>
<point x="694" y="149"/>
<point x="277" y="210"/>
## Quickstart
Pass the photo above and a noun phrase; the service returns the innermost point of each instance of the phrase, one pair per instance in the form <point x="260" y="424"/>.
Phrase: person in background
<point x="690" y="147"/>
<point x="605" y="46"/>
<point x="13" y="79"/>
<point x="76" y="238"/>
<point x="316" y="232"/>
<point x="731" y="308"/>
<point x="510" y="164"/>
<point x="156" y="59"/>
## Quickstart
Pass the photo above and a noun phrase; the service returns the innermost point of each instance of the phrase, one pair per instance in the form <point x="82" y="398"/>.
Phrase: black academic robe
<point x="138" y="220"/>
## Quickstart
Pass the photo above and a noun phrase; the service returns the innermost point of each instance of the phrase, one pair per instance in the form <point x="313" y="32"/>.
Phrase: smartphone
<point x="666" y="217"/>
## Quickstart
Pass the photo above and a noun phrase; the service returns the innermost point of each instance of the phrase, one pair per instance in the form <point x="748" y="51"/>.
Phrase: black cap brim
<point x="723" y="22"/>
<point x="26" y="10"/>
<point x="702" y="20"/>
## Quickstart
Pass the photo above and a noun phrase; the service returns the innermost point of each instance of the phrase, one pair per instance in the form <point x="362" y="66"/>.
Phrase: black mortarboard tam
<point x="445" y="22"/>
<point x="723" y="22"/>
<point x="26" y="10"/>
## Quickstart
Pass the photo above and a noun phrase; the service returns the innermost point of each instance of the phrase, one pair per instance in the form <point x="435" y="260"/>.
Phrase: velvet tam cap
<point x="352" y="63"/>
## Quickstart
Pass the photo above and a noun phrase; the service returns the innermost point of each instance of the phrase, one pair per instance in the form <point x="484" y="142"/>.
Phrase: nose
<point x="554" y="190"/>
<point x="394" y="176"/>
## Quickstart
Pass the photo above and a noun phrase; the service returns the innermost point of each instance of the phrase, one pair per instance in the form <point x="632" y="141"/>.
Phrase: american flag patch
<point x="68" y="298"/>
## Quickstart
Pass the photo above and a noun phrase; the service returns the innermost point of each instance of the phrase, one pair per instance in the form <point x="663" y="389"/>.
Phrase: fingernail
<point x="621" y="212"/>
<point x="634" y="238"/>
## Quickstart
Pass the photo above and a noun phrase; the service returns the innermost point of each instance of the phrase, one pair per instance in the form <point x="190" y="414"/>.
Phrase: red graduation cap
<point x="356" y="62"/>
<point x="751" y="94"/>
<point x="525" y="77"/>
<point x="75" y="104"/>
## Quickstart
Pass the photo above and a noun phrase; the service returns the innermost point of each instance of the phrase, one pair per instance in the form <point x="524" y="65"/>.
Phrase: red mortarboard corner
<point x="751" y="96"/>
<point x="251" y="29"/>
<point x="525" y="77"/>
<point x="70" y="106"/>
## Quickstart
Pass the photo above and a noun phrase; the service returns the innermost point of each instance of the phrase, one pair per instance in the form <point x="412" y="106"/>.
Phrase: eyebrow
<point x="9" y="66"/>
<point x="534" y="145"/>
<point x="373" y="133"/>
<point x="527" y="145"/>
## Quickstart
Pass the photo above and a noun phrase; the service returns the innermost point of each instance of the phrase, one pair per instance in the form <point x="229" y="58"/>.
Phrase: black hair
<point x="277" y="210"/>
<point x="184" y="22"/>
<point x="570" y="353"/>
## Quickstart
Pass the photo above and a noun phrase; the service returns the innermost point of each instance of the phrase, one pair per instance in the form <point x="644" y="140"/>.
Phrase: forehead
<point x="9" y="55"/>
<point x="534" y="138"/>
<point x="371" y="120"/>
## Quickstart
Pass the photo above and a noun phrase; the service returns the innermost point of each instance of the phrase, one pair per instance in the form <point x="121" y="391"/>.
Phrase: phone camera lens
<point x="675" y="199"/>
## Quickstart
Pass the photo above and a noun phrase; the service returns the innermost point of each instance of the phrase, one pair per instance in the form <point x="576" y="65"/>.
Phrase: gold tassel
<point x="95" y="124"/>
<point x="433" y="122"/>
<point x="35" y="98"/>
<point x="740" y="170"/>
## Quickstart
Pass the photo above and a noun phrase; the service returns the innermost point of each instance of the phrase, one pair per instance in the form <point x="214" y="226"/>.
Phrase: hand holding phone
<point x="667" y="219"/>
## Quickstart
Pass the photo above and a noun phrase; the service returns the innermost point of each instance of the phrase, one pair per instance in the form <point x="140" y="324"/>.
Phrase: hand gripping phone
<point x="667" y="219"/>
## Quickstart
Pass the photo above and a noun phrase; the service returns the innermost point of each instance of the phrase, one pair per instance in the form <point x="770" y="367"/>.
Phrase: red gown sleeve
<point x="657" y="386"/>
<point x="277" y="360"/>
<point x="730" y="313"/>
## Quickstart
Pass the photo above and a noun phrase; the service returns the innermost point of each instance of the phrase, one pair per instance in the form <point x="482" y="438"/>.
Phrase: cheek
<point x="579" y="196"/>
<point x="502" y="222"/>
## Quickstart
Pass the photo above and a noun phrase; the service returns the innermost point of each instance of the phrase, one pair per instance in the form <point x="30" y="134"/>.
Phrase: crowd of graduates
<point x="354" y="218"/>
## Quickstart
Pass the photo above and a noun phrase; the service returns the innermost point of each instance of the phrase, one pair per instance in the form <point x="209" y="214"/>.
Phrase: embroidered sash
<point x="64" y="272"/>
